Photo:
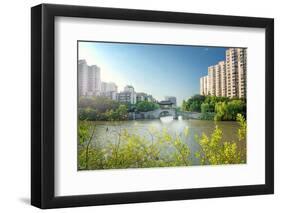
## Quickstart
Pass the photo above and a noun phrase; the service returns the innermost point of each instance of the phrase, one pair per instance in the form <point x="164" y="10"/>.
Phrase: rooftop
<point x="165" y="102"/>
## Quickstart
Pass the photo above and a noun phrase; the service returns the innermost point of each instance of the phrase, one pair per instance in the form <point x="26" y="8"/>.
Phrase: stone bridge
<point x="156" y="114"/>
<point x="164" y="112"/>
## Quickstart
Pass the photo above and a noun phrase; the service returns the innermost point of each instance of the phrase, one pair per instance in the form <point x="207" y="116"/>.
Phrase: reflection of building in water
<point x="109" y="89"/>
<point x="89" y="81"/>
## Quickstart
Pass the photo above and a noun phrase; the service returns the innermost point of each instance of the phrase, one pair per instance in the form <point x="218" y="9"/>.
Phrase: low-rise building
<point x="165" y="104"/>
<point x="141" y="96"/>
<point x="128" y="95"/>
<point x="172" y="99"/>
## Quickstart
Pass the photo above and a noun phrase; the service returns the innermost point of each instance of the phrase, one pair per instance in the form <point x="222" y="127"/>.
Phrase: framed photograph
<point x="139" y="106"/>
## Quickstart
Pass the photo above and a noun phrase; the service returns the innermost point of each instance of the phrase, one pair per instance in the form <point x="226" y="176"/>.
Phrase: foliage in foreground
<point x="131" y="150"/>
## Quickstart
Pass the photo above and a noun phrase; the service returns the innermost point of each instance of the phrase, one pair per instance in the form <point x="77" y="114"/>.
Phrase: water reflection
<point x="106" y="132"/>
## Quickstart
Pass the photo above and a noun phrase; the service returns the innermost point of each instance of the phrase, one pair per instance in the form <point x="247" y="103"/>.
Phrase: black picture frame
<point x="43" y="105"/>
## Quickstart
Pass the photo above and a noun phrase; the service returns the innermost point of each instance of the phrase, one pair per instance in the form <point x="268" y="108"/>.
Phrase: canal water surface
<point x="106" y="132"/>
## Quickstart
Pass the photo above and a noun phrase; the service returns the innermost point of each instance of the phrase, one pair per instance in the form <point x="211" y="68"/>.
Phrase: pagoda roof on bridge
<point x="165" y="102"/>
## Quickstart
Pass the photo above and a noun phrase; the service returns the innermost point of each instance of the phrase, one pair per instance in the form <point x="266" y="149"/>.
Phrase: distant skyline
<point x="156" y="69"/>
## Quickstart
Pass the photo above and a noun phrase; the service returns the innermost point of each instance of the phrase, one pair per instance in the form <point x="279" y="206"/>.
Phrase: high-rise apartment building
<point x="236" y="68"/>
<point x="109" y="89"/>
<point x="212" y="80"/>
<point x="88" y="79"/>
<point x="217" y="79"/>
<point x="227" y="78"/>
<point x="94" y="80"/>
<point x="204" y="82"/>
<point x="82" y="77"/>
<point x="242" y="72"/>
<point x="202" y="85"/>
<point x="222" y="77"/>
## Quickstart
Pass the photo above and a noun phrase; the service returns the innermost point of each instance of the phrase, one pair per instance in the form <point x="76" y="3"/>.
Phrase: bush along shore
<point x="132" y="150"/>
<point x="215" y="108"/>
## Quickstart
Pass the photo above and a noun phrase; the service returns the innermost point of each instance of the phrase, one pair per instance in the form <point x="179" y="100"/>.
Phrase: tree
<point x="194" y="103"/>
<point x="101" y="109"/>
<point x="99" y="103"/>
<point x="229" y="110"/>
<point x="207" y="111"/>
<point x="215" y="151"/>
<point x="145" y="106"/>
<point x="221" y="111"/>
<point x="86" y="133"/>
<point x="122" y="112"/>
<point x="235" y="107"/>
<point x="206" y="107"/>
<point x="184" y="106"/>
<point x="88" y="114"/>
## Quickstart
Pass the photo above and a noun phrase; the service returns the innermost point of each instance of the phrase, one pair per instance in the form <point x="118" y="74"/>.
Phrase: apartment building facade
<point x="128" y="95"/>
<point x="227" y="78"/>
<point x="89" y="79"/>
<point x="212" y="80"/>
<point x="109" y="89"/>
<point x="204" y="82"/>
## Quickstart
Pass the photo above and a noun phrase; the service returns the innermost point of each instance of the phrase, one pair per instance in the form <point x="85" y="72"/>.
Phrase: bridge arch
<point x="164" y="113"/>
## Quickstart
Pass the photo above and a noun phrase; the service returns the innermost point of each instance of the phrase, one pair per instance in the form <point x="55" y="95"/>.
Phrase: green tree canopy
<point x="98" y="103"/>
<point x="145" y="106"/>
<point x="229" y="110"/>
<point x="213" y="107"/>
<point x="194" y="103"/>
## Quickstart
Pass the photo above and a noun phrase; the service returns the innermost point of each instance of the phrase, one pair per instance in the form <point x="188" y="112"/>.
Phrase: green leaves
<point x="215" y="108"/>
<point x="83" y="131"/>
<point x="193" y="104"/>
<point x="145" y="106"/>
<point x="101" y="109"/>
<point x="228" y="110"/>
<point x="214" y="151"/>
<point x="134" y="151"/>
<point x="159" y="148"/>
<point x="243" y="127"/>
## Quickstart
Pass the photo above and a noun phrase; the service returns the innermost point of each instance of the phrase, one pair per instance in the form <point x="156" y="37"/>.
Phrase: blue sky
<point x="159" y="70"/>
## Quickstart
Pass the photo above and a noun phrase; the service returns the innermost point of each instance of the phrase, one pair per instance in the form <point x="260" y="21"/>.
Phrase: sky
<point x="159" y="70"/>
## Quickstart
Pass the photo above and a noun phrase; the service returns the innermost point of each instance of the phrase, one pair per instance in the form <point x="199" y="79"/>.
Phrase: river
<point x="105" y="131"/>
